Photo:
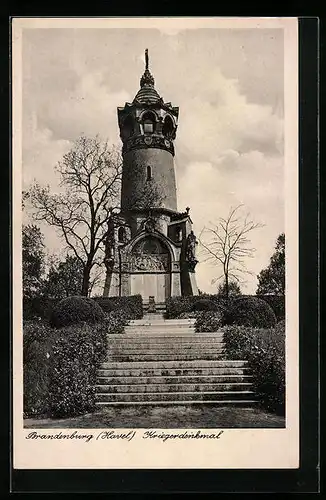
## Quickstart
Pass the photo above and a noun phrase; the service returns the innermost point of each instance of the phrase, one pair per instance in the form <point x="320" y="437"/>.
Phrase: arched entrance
<point x="151" y="269"/>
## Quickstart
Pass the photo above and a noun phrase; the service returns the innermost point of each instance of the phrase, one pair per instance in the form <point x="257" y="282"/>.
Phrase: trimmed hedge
<point x="264" y="349"/>
<point x="133" y="305"/>
<point x="177" y="307"/>
<point x="38" y="307"/>
<point x="42" y="307"/>
<point x="60" y="365"/>
<point x="277" y="303"/>
<point x="116" y="321"/>
<point x="249" y="311"/>
<point x="204" y="305"/>
<point x="74" y="310"/>
<point x="37" y="357"/>
<point x="208" y="321"/>
<point x="77" y="352"/>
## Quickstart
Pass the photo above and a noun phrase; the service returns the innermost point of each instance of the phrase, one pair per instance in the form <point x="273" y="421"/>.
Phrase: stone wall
<point x="135" y="176"/>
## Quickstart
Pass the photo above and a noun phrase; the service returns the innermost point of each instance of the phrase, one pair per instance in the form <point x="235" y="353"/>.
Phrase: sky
<point x="228" y="84"/>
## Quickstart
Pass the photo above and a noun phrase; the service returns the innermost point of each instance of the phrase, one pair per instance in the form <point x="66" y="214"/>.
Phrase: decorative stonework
<point x="176" y="266"/>
<point x="153" y="141"/>
<point x="125" y="266"/>
<point x="149" y="262"/>
<point x="191" y="251"/>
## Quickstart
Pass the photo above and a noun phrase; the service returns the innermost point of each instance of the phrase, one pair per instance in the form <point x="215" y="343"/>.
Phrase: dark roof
<point x="147" y="93"/>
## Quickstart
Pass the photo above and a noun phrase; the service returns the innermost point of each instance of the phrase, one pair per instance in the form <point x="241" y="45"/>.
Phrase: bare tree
<point x="227" y="244"/>
<point x="147" y="198"/>
<point x="91" y="180"/>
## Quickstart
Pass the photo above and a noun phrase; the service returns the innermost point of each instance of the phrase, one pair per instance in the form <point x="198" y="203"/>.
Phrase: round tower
<point x="147" y="129"/>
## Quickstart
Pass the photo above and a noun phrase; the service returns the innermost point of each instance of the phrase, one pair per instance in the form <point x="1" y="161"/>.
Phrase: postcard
<point x="155" y="243"/>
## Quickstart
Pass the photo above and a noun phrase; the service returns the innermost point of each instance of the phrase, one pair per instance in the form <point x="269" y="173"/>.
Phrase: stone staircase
<point x="165" y="362"/>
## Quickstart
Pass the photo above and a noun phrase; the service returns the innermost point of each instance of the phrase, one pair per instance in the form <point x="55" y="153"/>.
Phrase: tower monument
<point x="150" y="247"/>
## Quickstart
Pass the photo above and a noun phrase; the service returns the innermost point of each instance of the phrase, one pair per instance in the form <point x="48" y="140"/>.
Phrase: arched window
<point x="149" y="172"/>
<point x="148" y="120"/>
<point x="168" y="127"/>
<point x="121" y="234"/>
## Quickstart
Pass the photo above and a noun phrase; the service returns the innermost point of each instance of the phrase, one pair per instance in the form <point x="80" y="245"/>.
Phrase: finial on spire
<point x="147" y="78"/>
<point x="146" y="59"/>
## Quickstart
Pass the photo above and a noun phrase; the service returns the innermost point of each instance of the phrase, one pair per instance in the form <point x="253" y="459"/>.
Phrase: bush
<point x="249" y="311"/>
<point x="116" y="321"/>
<point x="204" y="305"/>
<point x="37" y="355"/>
<point x="277" y="303"/>
<point x="208" y="321"/>
<point x="177" y="307"/>
<point x="38" y="307"/>
<point x="77" y="352"/>
<point x="187" y="315"/>
<point x="74" y="310"/>
<point x="133" y="305"/>
<point x="264" y="349"/>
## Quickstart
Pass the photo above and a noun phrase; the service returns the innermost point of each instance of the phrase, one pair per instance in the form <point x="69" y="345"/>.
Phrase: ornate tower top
<point x="148" y="121"/>
<point x="147" y="78"/>
<point x="147" y="93"/>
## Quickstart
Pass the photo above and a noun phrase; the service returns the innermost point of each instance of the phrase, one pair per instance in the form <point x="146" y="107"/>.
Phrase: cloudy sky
<point x="228" y="84"/>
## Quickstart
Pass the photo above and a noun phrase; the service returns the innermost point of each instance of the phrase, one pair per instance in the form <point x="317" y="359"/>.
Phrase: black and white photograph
<point x="154" y="220"/>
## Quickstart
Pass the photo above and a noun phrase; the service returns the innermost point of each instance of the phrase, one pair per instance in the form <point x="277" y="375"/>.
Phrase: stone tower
<point x="150" y="245"/>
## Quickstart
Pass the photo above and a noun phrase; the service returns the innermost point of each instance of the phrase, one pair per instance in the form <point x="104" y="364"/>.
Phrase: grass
<point x="165" y="418"/>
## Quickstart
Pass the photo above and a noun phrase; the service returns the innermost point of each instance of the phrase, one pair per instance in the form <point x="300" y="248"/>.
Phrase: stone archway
<point x="150" y="269"/>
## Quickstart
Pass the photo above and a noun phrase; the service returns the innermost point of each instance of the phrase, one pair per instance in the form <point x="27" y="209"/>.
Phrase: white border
<point x="237" y="448"/>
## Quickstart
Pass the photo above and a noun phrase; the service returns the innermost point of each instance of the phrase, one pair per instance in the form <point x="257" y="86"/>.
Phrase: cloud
<point x="41" y="152"/>
<point x="220" y="118"/>
<point x="90" y="109"/>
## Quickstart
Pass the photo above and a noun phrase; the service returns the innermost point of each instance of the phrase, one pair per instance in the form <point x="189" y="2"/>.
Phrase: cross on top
<point x="146" y="59"/>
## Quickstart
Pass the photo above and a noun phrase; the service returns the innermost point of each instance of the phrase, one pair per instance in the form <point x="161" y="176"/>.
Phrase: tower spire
<point x="146" y="59"/>
<point x="147" y="78"/>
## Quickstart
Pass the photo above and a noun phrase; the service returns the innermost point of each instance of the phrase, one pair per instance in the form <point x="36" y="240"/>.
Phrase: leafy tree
<point x="227" y="245"/>
<point x="90" y="176"/>
<point x="233" y="289"/>
<point x="65" y="278"/>
<point x="33" y="255"/>
<point x="271" y="281"/>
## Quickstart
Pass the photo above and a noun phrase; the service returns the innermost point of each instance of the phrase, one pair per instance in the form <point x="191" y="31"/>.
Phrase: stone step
<point x="173" y="379"/>
<point x="150" y="330"/>
<point x="171" y="372"/>
<point x="141" y="338"/>
<point x="185" y="388"/>
<point x="224" y="363"/>
<point x="161" y="321"/>
<point x="166" y="339"/>
<point x="237" y="403"/>
<point x="159" y="313"/>
<point x="166" y="357"/>
<point x="163" y="343"/>
<point x="166" y="323"/>
<point x="164" y="348"/>
<point x="175" y="396"/>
